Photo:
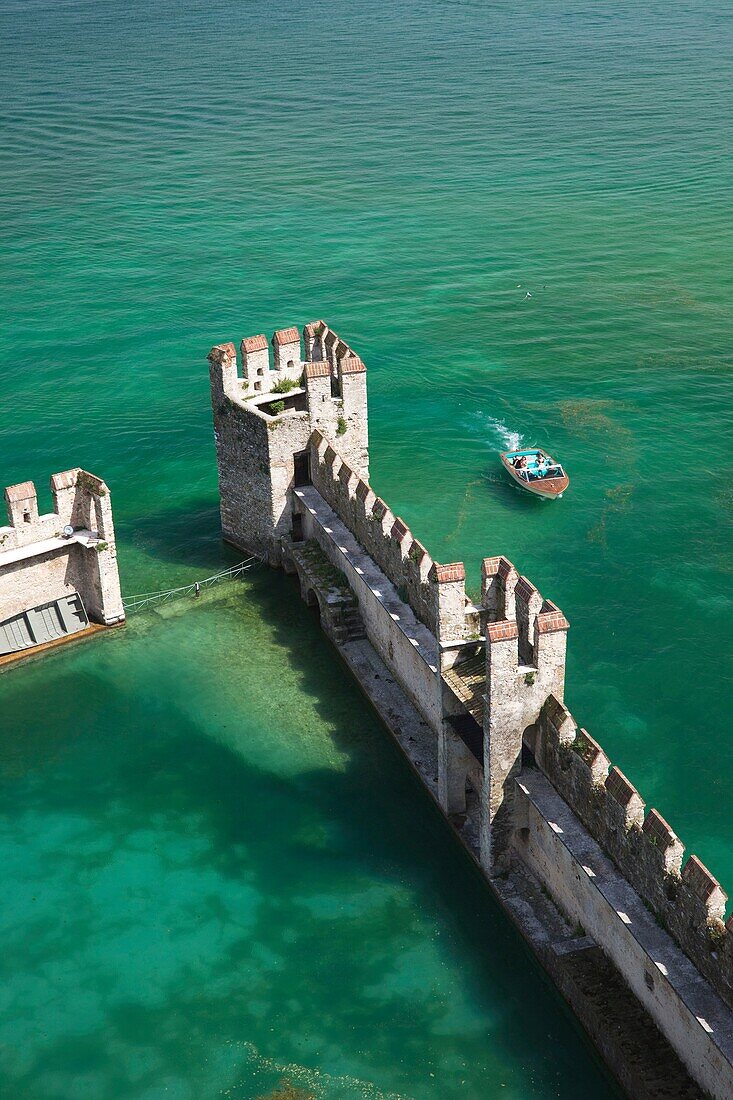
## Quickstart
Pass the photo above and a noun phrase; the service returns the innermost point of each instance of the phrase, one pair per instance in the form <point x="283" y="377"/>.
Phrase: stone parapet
<point x="385" y="537"/>
<point x="488" y="679"/>
<point x="687" y="900"/>
<point x="264" y="416"/>
<point x="30" y="577"/>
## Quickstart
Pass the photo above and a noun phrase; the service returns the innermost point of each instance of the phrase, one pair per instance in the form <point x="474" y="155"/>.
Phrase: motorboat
<point x="536" y="472"/>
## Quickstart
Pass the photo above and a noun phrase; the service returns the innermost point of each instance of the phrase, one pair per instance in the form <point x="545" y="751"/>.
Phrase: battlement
<point x="516" y="613"/>
<point x="77" y="497"/>
<point x="264" y="417"/>
<point x="686" y="898"/>
<point x="67" y="551"/>
<point x="487" y="679"/>
<point x="284" y="365"/>
<point x="526" y="642"/>
<point x="435" y="592"/>
<point x="512" y="608"/>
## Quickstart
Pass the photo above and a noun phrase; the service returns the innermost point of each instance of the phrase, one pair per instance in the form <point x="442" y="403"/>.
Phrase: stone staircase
<point x="350" y="627"/>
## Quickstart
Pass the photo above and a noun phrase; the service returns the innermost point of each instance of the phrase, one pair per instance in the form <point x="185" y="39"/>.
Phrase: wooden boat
<point x="539" y="474"/>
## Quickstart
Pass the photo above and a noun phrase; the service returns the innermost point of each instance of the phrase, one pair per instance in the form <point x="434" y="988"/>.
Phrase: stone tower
<point x="66" y="553"/>
<point x="526" y="643"/>
<point x="264" y="417"/>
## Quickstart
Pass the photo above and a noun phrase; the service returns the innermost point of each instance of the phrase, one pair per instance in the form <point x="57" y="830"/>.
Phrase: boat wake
<point x="512" y="441"/>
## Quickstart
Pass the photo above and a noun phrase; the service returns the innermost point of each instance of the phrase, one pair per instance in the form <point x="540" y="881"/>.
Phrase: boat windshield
<point x="533" y="468"/>
<point x="541" y="475"/>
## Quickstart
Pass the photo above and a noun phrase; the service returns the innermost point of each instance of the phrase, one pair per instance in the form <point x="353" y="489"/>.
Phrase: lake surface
<point x="218" y="873"/>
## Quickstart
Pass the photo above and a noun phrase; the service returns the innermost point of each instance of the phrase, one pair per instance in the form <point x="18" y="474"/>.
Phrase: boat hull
<point x="548" y="488"/>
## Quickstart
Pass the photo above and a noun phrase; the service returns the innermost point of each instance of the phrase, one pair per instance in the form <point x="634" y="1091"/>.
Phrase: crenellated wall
<point x="687" y="899"/>
<point x="436" y="593"/>
<point x="407" y="648"/>
<point x="597" y="898"/>
<point x="488" y="682"/>
<point x="38" y="564"/>
<point x="526" y="641"/>
<point x="260" y="433"/>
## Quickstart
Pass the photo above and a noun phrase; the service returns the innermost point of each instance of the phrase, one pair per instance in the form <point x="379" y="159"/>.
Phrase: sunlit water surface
<point x="217" y="871"/>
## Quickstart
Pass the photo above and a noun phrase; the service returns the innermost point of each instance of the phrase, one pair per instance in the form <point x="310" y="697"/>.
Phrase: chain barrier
<point x="144" y="599"/>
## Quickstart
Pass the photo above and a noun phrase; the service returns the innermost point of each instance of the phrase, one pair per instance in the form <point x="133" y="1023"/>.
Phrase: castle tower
<point x="58" y="571"/>
<point x="264" y="418"/>
<point x="526" y="641"/>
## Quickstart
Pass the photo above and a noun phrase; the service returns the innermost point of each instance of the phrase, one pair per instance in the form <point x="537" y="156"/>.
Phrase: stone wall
<point x="687" y="900"/>
<point x="572" y="868"/>
<point x="41" y="579"/>
<point x="407" y="648"/>
<point x="257" y="444"/>
<point x="287" y="435"/>
<point x="243" y="459"/>
<point x="81" y="501"/>
<point x="302" y="472"/>
<point x="436" y="593"/>
<point x="526" y="639"/>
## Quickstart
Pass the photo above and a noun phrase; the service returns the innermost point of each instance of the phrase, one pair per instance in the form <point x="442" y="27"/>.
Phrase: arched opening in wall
<point x="26" y="517"/>
<point x="296" y="528"/>
<point x="311" y="601"/>
<point x="529" y="742"/>
<point x="291" y="364"/>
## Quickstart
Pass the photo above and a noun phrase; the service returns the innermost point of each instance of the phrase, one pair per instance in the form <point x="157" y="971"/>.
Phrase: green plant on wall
<point x="341" y="426"/>
<point x="277" y="407"/>
<point x="88" y="483"/>
<point x="285" y="385"/>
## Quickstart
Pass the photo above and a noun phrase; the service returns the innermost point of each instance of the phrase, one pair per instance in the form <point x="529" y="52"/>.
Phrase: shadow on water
<point x="499" y="484"/>
<point x="279" y="947"/>
<point x="186" y="534"/>
<point x="414" y="832"/>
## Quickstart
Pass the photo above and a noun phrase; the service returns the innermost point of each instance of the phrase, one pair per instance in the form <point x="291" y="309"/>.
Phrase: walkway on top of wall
<point x="666" y="961"/>
<point x="34" y="549"/>
<point x="600" y="998"/>
<point x="354" y="555"/>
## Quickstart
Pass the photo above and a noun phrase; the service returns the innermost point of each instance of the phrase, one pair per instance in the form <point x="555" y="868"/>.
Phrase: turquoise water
<point x="215" y="865"/>
<point x="220" y="874"/>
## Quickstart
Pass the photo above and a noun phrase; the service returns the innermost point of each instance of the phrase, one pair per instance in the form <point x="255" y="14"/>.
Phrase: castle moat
<point x="204" y="901"/>
<point x="221" y="877"/>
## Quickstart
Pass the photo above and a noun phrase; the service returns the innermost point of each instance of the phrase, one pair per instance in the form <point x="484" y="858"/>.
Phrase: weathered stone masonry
<point x="530" y="792"/>
<point x="257" y="449"/>
<point x="38" y="564"/>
